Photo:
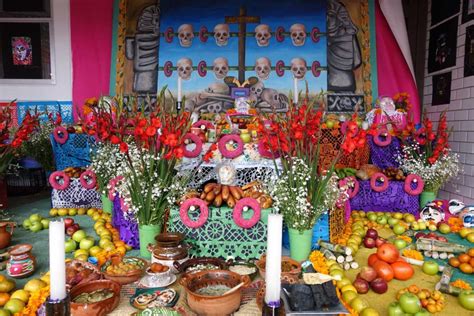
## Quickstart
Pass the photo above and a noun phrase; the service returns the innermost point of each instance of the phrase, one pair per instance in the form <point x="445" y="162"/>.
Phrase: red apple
<point x="76" y="226"/>
<point x="369" y="242"/>
<point x="361" y="285"/>
<point x="379" y="286"/>
<point x="372" y="233"/>
<point x="368" y="273"/>
<point x="68" y="222"/>
<point x="71" y="230"/>
<point x="441" y="238"/>
<point x="379" y="242"/>
<point x="420" y="235"/>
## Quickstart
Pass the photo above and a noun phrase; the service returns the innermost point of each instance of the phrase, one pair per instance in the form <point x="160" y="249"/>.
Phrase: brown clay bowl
<point x="128" y="277"/>
<point x="196" y="262"/>
<point x="169" y="239"/>
<point x="287" y="275"/>
<point x="100" y="308"/>
<point x="217" y="305"/>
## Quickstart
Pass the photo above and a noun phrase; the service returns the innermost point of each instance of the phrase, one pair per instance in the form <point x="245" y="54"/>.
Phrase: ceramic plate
<point x="145" y="282"/>
<point x="154" y="297"/>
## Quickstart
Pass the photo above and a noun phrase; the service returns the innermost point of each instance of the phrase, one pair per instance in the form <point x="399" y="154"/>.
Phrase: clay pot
<point x="100" y="308"/>
<point x="5" y="235"/>
<point x="218" y="263"/>
<point x="169" y="246"/>
<point x="213" y="305"/>
<point x="22" y="263"/>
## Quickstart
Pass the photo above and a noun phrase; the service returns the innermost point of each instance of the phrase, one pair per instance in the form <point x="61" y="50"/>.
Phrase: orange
<point x="463" y="258"/>
<point x="4" y="297"/>
<point x="454" y="262"/>
<point x="465" y="268"/>
<point x="2" y="278"/>
<point x="471" y="262"/>
<point x="471" y="252"/>
<point x="413" y="289"/>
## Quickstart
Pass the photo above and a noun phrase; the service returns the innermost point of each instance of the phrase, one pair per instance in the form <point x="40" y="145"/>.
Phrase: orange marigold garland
<point x="37" y="299"/>
<point x="319" y="262"/>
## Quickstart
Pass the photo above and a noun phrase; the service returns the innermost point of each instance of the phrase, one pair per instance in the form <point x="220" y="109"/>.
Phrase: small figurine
<point x="455" y="206"/>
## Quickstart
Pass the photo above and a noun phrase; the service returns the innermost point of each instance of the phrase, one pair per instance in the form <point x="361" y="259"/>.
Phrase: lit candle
<point x="180" y="88"/>
<point x="273" y="260"/>
<point x="57" y="264"/>
<point x="295" y="90"/>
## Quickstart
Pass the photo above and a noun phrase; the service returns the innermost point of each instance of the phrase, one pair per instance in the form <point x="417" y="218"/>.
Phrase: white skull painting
<point x="185" y="68"/>
<point x="432" y="212"/>
<point x="263" y="35"/>
<point x="186" y="35"/>
<point x="298" y="34"/>
<point x="298" y="68"/>
<point x="221" y="34"/>
<point x="220" y="67"/>
<point x="263" y="67"/>
<point x="21" y="49"/>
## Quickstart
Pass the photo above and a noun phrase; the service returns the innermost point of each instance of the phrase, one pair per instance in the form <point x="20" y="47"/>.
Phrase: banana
<point x="235" y="193"/>
<point x="225" y="192"/>
<point x="210" y="196"/>
<point x="217" y="200"/>
<point x="231" y="201"/>
<point x="217" y="189"/>
<point x="209" y="187"/>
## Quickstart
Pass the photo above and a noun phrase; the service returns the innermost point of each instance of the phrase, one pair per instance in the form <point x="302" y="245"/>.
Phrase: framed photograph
<point x="441" y="89"/>
<point x="443" y="9"/>
<point x="24" y="51"/>
<point x="469" y="52"/>
<point x="442" y="45"/>
<point x="467" y="10"/>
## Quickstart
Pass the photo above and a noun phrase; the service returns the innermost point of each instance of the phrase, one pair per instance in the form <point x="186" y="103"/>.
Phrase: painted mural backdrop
<point x="202" y="42"/>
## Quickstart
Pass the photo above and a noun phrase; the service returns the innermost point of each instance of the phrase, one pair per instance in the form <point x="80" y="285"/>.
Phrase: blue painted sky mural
<point x="274" y="13"/>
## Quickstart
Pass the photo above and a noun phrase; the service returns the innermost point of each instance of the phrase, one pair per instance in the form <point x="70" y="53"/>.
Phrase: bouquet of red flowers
<point x="295" y="139"/>
<point x="11" y="139"/>
<point x="152" y="144"/>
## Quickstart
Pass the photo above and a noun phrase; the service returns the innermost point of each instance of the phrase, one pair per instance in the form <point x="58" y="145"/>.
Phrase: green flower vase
<point x="107" y="204"/>
<point x="147" y="234"/>
<point x="427" y="196"/>
<point x="300" y="243"/>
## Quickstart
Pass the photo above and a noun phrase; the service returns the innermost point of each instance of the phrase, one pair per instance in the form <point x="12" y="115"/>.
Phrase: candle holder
<point x="272" y="308"/>
<point x="179" y="106"/>
<point x="58" y="307"/>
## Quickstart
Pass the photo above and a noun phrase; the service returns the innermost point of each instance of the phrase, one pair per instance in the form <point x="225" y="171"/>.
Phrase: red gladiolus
<point x="114" y="140"/>
<point x="150" y="131"/>
<point x="123" y="147"/>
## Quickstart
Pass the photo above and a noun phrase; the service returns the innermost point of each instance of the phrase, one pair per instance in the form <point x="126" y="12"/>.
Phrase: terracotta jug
<point x="5" y="235"/>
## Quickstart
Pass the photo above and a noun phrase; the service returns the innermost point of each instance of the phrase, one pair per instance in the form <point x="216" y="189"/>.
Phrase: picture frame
<point x="469" y="52"/>
<point x="442" y="45"/>
<point x="441" y="89"/>
<point x="25" y="50"/>
<point x="443" y="9"/>
<point x="467" y="10"/>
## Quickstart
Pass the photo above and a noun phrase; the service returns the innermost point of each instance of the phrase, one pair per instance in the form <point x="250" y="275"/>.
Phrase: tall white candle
<point x="180" y="89"/>
<point x="57" y="257"/>
<point x="273" y="260"/>
<point x="295" y="90"/>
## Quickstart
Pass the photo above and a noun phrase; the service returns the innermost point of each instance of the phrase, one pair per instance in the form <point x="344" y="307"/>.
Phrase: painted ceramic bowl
<point x="100" y="308"/>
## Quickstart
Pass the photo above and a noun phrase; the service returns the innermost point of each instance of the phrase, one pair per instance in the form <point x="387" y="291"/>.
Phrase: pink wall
<point x="91" y="43"/>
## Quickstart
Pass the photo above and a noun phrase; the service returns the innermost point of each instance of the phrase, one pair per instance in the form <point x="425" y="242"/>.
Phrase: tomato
<point x="372" y="259"/>
<point x="388" y="253"/>
<point x="402" y="270"/>
<point x="384" y="270"/>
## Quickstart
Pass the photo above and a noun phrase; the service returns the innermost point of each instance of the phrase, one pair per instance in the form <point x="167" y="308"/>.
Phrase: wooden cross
<point x="242" y="20"/>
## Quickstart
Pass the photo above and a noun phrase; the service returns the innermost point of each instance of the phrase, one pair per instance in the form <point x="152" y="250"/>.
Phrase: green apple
<point x="423" y="312"/>
<point x="382" y="220"/>
<point x="398" y="215"/>
<point x="400" y="243"/>
<point x="369" y="311"/>
<point x="4" y="312"/>
<point x="62" y="212"/>
<point x="36" y="226"/>
<point x="393" y="221"/>
<point x="348" y="296"/>
<point x="72" y="212"/>
<point x="444" y="228"/>
<point x="422" y="225"/>
<point x="359" y="304"/>
<point x="96" y="249"/>
<point x="14" y="305"/>
<point x="464" y="232"/>
<point x="81" y="252"/>
<point x="466" y="300"/>
<point x="398" y="229"/>
<point x="372" y="217"/>
<point x="86" y="243"/>
<point x="410" y="303"/>
<point x="470" y="237"/>
<point x="330" y="123"/>
<point x="79" y="235"/>
<point x="432" y="227"/>
<point x="53" y="212"/>
<point x="35" y="217"/>
<point x="430" y="267"/>
<point x="103" y="242"/>
<point x="394" y="309"/>
<point x="26" y="223"/>
<point x="45" y="223"/>
<point x="70" y="245"/>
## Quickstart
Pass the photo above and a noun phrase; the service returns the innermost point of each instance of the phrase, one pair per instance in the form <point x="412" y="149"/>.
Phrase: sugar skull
<point x="467" y="216"/>
<point x="455" y="206"/>
<point x="263" y="67"/>
<point x="22" y="53"/>
<point x="186" y="35"/>
<point x="220" y="66"/>
<point x="432" y="211"/>
<point x="221" y="34"/>
<point x="185" y="68"/>
<point x="263" y="35"/>
<point x="298" y="34"/>
<point x="298" y="68"/>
